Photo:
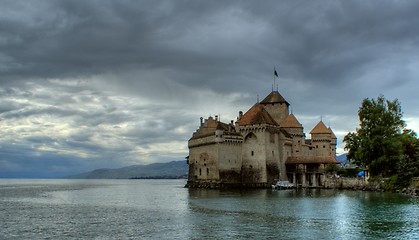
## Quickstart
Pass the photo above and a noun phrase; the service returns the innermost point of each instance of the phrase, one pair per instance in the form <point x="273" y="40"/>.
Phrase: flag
<point x="275" y="73"/>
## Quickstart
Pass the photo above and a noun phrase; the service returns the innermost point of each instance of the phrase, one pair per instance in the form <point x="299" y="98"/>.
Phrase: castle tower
<point x="276" y="106"/>
<point x="260" y="152"/>
<point x="333" y="143"/>
<point x="321" y="140"/>
<point x="296" y="130"/>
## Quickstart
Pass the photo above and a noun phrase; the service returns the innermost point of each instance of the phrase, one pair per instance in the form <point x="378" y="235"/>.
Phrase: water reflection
<point x="303" y="213"/>
<point x="163" y="209"/>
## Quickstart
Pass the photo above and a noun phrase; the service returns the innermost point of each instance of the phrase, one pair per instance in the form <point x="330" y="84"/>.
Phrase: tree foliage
<point x="380" y="144"/>
<point x="409" y="166"/>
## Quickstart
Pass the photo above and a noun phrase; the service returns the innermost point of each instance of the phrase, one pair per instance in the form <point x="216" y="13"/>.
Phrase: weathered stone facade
<point x="264" y="145"/>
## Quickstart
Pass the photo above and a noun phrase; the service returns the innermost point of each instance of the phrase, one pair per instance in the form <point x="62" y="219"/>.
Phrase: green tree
<point x="410" y="144"/>
<point x="377" y="144"/>
<point x="410" y="165"/>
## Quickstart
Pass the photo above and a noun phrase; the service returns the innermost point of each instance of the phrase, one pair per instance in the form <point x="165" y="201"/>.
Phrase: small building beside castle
<point x="262" y="146"/>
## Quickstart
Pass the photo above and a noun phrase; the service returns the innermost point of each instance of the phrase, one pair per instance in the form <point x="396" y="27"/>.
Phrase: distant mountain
<point x="342" y="158"/>
<point x="175" y="169"/>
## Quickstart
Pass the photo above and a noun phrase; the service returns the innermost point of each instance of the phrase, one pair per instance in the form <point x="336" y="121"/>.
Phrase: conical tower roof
<point x="332" y="133"/>
<point x="320" y="128"/>
<point x="274" y="97"/>
<point x="256" y="115"/>
<point x="291" y="122"/>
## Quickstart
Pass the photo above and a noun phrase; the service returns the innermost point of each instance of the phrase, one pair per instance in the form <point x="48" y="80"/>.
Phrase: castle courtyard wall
<point x="230" y="162"/>
<point x="254" y="157"/>
<point x="272" y="150"/>
<point x="203" y="162"/>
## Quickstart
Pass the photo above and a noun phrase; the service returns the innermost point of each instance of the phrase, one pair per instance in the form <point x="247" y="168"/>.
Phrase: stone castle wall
<point x="253" y="152"/>
<point x="203" y="163"/>
<point x="278" y="111"/>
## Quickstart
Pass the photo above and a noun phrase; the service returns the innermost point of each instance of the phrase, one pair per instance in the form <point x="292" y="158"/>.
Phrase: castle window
<point x="273" y="153"/>
<point x="324" y="146"/>
<point x="317" y="146"/>
<point x="207" y="171"/>
<point x="200" y="172"/>
<point x="252" y="153"/>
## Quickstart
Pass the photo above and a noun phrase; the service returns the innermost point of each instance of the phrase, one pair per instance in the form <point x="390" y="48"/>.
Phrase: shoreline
<point x="373" y="185"/>
<point x="341" y="183"/>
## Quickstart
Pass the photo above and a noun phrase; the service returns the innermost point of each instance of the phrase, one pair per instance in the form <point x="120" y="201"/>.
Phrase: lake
<point x="164" y="209"/>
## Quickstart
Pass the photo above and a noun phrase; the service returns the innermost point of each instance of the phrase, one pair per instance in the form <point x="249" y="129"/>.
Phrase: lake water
<point x="163" y="209"/>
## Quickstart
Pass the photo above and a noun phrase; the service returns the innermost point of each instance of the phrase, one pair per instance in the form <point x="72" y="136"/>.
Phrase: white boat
<point x="282" y="185"/>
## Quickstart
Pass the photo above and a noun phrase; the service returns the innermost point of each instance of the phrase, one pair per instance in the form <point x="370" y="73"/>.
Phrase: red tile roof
<point x="257" y="115"/>
<point x="332" y="133"/>
<point x="215" y="124"/>
<point x="320" y="128"/>
<point x="291" y="122"/>
<point x="209" y="128"/>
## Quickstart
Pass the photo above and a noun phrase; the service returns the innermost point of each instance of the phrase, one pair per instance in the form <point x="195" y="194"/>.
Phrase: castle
<point x="264" y="145"/>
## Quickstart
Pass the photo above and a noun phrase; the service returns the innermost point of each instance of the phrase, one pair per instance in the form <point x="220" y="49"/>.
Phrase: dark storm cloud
<point x="96" y="81"/>
<point x="333" y="40"/>
<point x="90" y="37"/>
<point x="327" y="41"/>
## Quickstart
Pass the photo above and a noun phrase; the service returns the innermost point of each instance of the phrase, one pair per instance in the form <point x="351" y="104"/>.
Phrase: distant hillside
<point x="342" y="158"/>
<point x="175" y="169"/>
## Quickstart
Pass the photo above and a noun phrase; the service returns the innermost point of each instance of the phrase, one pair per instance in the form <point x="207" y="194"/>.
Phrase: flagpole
<point x="275" y="75"/>
<point x="274" y="80"/>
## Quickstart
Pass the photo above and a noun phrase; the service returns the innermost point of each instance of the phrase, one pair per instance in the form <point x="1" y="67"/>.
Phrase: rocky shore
<point x="410" y="191"/>
<point x="378" y="185"/>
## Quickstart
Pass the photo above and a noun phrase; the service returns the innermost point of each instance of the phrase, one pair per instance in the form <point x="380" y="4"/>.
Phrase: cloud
<point x="84" y="124"/>
<point x="107" y="84"/>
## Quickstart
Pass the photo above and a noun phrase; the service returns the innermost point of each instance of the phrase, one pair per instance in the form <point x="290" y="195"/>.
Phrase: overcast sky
<point x="107" y="84"/>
